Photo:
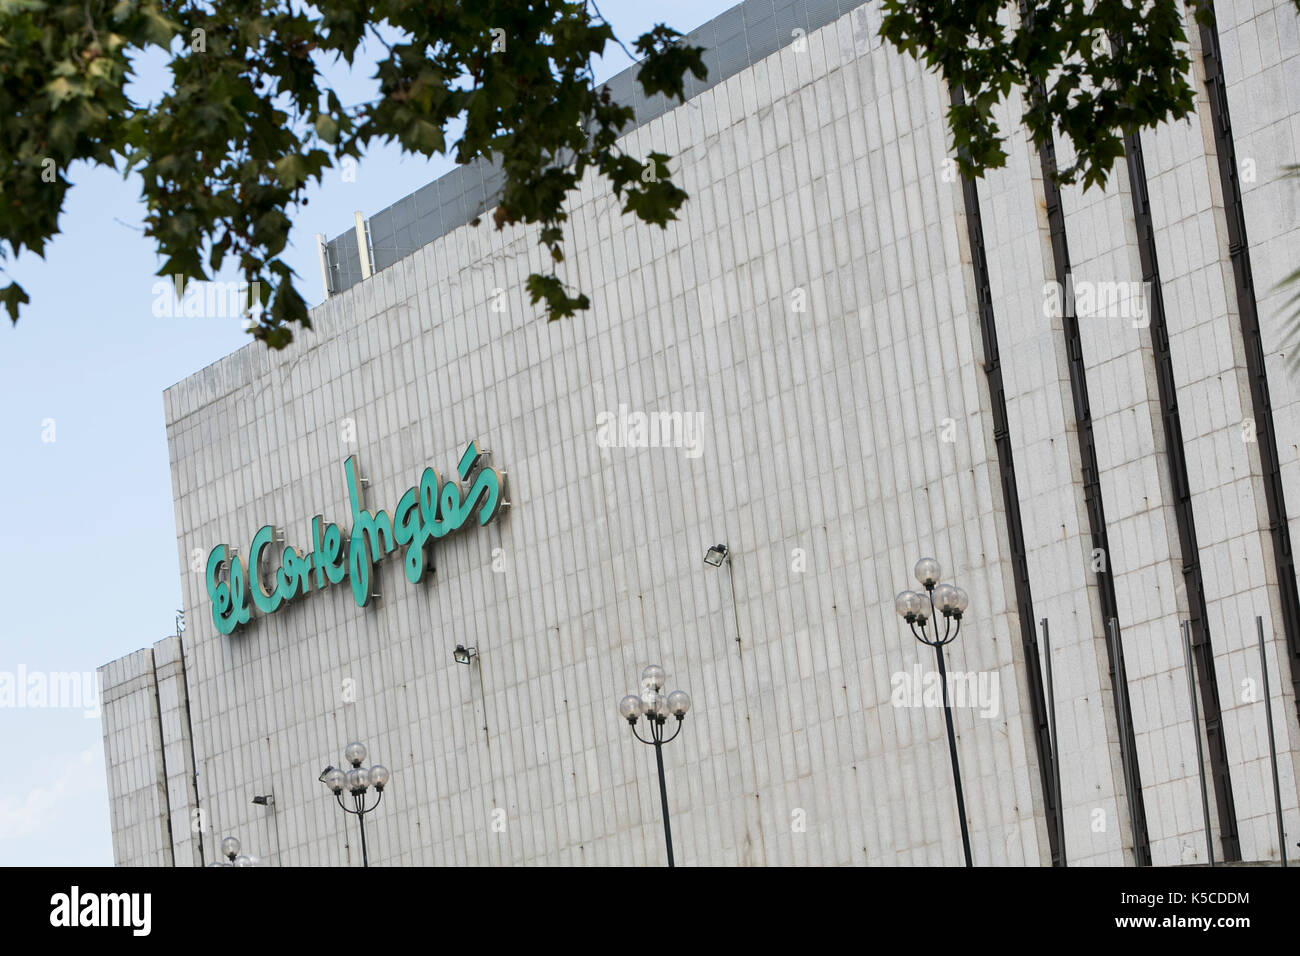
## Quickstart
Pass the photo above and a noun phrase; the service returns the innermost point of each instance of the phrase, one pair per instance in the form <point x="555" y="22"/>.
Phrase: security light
<point x="716" y="555"/>
<point x="464" y="654"/>
<point x="264" y="801"/>
<point x="325" y="773"/>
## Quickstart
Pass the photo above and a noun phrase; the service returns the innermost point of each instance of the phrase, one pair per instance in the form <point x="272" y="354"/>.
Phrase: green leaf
<point x="13" y="296"/>
<point x="326" y="128"/>
<point x="231" y="144"/>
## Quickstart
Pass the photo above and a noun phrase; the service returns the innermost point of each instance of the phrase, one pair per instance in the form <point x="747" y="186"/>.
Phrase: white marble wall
<point x="1260" y="45"/>
<point x="133" y="758"/>
<point x="815" y="307"/>
<point x="1057" y="533"/>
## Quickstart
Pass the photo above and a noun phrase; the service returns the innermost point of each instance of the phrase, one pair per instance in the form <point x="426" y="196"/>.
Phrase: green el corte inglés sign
<point x="430" y="510"/>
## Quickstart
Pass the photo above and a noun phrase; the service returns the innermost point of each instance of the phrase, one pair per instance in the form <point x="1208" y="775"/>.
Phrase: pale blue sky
<point x="88" y="547"/>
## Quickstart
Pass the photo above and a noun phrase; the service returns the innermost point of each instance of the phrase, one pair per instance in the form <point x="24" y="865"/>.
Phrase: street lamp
<point x="918" y="610"/>
<point x="356" y="781"/>
<point x="230" y="850"/>
<point x="656" y="707"/>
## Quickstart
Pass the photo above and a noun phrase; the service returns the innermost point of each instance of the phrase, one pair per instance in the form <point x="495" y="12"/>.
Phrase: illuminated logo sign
<point x="426" y="512"/>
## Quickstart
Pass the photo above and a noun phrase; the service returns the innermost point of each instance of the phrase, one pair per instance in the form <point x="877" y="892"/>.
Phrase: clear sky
<point x="88" y="542"/>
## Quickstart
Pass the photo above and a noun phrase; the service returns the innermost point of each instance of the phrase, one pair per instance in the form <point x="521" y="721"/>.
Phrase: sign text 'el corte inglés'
<point x="430" y="510"/>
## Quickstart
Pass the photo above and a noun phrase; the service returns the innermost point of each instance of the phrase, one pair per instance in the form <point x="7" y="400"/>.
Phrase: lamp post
<point x="656" y="707"/>
<point x="357" y="781"/>
<point x="919" y="610"/>
<point x="230" y="850"/>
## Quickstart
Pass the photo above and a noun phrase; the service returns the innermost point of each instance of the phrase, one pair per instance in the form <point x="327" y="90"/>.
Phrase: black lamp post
<point x="357" y="781"/>
<point x="918" y="610"/>
<point x="656" y="707"/>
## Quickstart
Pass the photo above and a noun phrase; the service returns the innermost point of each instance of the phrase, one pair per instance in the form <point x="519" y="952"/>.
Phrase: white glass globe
<point x="679" y="702"/>
<point x="245" y="860"/>
<point x="630" y="708"/>
<point x="907" y="602"/>
<point x="961" y="600"/>
<point x="945" y="598"/>
<point x="336" y="780"/>
<point x="229" y="847"/>
<point x="653" y="677"/>
<point x="358" y="779"/>
<point x="355" y="753"/>
<point x="379" y="776"/>
<point x="927" y="572"/>
<point x="651" y="703"/>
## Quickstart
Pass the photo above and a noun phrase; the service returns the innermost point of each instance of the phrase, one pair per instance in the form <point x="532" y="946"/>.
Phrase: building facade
<point x="841" y="358"/>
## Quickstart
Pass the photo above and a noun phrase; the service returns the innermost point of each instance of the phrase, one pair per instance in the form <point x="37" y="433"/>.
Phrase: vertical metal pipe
<point x="1121" y="718"/>
<point x="1056" y="746"/>
<point x="1184" y="514"/>
<point x="1272" y="744"/>
<point x="1233" y="215"/>
<point x="1196" y="729"/>
<point x="1001" y="431"/>
<point x="363" y="243"/>
<point x="322" y="253"/>
<point x="952" y="752"/>
<point x="1090" y="470"/>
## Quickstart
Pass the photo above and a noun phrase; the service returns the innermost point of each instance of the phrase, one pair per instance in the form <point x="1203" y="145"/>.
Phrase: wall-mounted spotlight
<point x="265" y="801"/>
<point x="325" y="773"/>
<point x="716" y="557"/>
<point x="464" y="654"/>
